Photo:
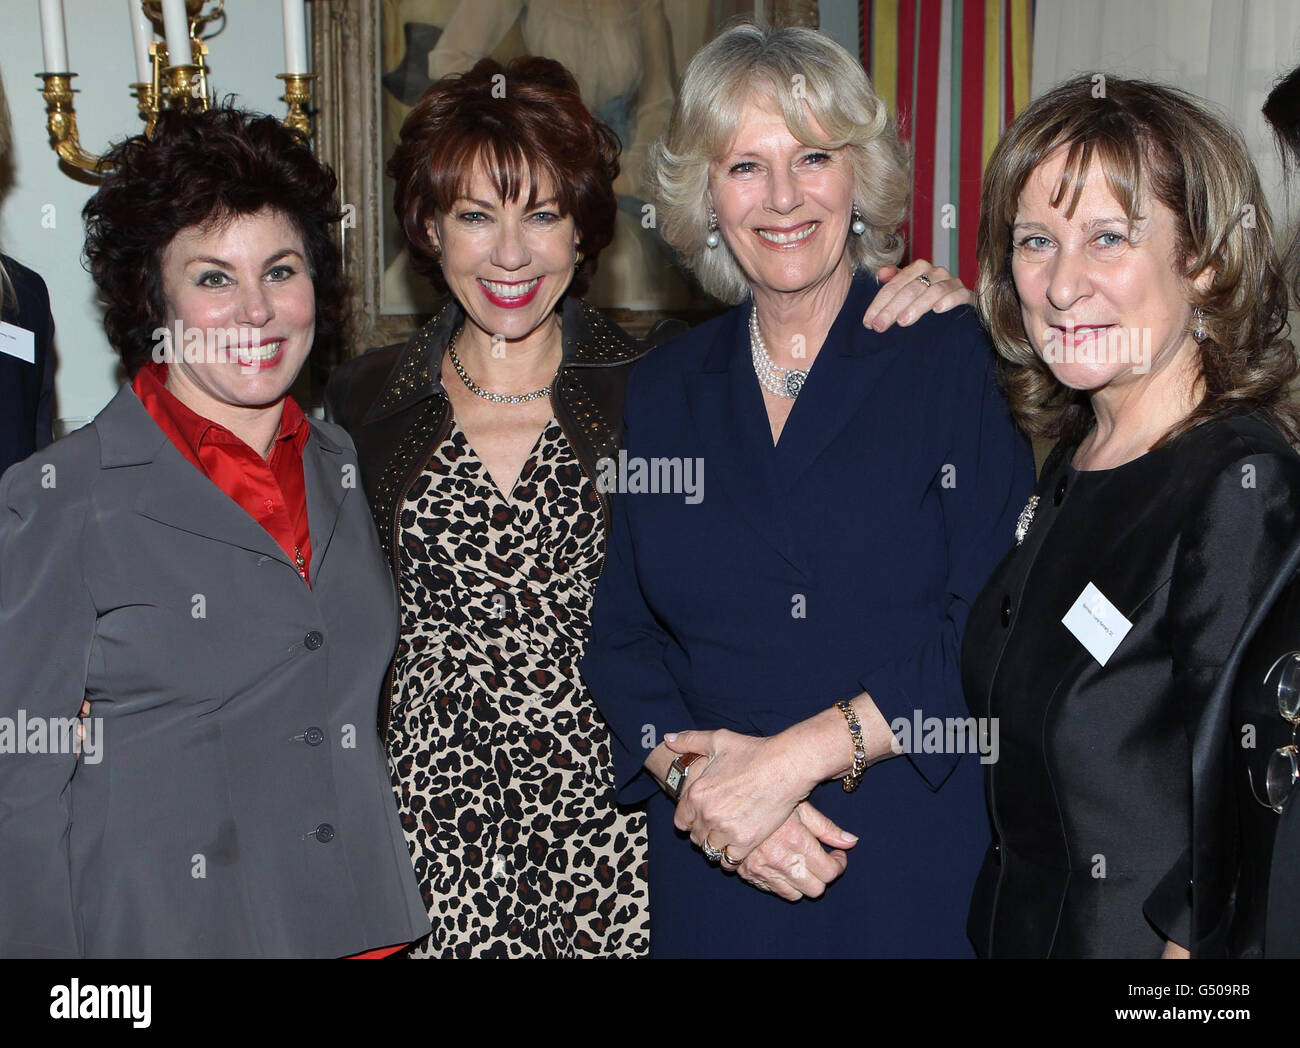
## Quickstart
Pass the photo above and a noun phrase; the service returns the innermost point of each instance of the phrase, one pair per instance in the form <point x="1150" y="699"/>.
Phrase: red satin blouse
<point x="270" y="491"/>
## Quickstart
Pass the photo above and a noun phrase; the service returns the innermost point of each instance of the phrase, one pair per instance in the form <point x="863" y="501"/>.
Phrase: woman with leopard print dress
<point x="488" y="508"/>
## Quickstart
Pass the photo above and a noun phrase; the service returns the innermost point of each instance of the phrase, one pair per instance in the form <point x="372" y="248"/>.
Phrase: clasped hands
<point x="749" y="802"/>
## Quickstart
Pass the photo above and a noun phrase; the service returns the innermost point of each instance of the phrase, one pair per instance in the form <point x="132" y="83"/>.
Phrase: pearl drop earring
<point x="714" y="238"/>
<point x="857" y="225"/>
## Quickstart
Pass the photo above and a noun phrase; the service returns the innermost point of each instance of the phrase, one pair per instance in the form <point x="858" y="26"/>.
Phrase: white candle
<point x="141" y="38"/>
<point x="54" y="37"/>
<point x="177" y="26"/>
<point x="295" y="36"/>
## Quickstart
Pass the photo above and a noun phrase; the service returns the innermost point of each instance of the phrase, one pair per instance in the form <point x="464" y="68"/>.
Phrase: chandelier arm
<point x="61" y="122"/>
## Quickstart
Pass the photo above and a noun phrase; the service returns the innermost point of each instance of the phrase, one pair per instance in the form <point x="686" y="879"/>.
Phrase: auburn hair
<point x="521" y="122"/>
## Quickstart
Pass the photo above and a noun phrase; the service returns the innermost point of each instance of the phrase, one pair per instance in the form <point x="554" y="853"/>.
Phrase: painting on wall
<point x="627" y="57"/>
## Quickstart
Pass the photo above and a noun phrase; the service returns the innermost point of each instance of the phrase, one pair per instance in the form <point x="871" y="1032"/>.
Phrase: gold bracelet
<point x="854" y="777"/>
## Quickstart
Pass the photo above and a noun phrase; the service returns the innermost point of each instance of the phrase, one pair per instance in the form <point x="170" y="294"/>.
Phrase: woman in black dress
<point x="26" y="350"/>
<point x="26" y="363"/>
<point x="1129" y="279"/>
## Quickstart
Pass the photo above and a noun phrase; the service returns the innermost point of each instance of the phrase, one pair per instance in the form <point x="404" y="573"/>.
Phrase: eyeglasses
<point x="1284" y="764"/>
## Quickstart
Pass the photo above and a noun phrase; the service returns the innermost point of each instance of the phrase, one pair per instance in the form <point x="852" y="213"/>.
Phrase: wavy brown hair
<point x="1150" y="142"/>
<point x="522" y="121"/>
<point x="200" y="169"/>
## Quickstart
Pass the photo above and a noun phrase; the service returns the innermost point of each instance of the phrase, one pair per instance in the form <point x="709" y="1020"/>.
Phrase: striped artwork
<point x="955" y="73"/>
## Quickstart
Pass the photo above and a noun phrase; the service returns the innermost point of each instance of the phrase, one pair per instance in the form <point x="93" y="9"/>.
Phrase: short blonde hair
<point x="805" y="74"/>
<point x="1151" y="143"/>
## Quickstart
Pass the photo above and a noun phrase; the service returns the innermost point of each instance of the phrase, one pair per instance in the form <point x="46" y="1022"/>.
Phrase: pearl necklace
<point x="779" y="381"/>
<point x="479" y="391"/>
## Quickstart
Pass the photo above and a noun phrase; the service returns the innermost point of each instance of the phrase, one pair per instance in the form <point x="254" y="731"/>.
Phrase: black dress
<point x="1110" y="794"/>
<point x="1264" y="918"/>
<point x="26" y="386"/>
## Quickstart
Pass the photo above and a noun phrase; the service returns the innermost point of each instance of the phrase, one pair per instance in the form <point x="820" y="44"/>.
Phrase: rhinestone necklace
<point x="479" y="391"/>
<point x="779" y="381"/>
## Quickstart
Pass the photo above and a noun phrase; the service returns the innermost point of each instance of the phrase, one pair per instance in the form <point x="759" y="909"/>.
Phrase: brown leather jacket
<point x="392" y="402"/>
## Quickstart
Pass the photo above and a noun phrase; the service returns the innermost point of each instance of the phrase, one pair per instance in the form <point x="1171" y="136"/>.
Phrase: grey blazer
<point x="232" y="797"/>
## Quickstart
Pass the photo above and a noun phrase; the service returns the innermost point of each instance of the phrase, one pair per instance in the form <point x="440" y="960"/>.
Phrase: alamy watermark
<point x="72" y="1000"/>
<point x="56" y="735"/>
<point x="1110" y="345"/>
<point x="924" y="734"/>
<point x="634" y="475"/>
<point x="191" y="345"/>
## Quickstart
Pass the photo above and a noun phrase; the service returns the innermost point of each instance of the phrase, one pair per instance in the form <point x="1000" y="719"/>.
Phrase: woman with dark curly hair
<point x="1129" y="279"/>
<point x="201" y="569"/>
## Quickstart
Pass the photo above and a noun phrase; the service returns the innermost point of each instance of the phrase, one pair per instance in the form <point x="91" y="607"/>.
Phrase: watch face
<point x="674" y="778"/>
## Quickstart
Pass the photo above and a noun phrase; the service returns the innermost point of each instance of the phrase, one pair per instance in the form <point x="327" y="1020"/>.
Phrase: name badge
<point x="17" y="342"/>
<point x="1096" y="623"/>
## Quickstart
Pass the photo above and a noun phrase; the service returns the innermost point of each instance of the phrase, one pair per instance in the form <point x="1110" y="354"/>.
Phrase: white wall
<point x="839" y="21"/>
<point x="1228" y="51"/>
<point x="244" y="58"/>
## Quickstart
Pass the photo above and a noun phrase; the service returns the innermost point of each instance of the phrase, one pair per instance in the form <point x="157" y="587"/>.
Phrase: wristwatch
<point x="676" y="777"/>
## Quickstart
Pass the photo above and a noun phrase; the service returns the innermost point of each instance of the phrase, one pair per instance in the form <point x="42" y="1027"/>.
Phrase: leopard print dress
<point x="499" y="758"/>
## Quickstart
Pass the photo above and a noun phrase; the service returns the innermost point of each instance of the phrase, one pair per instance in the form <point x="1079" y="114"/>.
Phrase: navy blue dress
<point x="844" y="559"/>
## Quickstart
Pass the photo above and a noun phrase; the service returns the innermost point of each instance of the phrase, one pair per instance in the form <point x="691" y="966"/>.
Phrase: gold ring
<point x="924" y="279"/>
<point x="727" y="859"/>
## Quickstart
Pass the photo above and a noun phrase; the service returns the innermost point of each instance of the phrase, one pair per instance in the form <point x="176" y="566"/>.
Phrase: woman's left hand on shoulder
<point x="746" y="791"/>
<point x="906" y="296"/>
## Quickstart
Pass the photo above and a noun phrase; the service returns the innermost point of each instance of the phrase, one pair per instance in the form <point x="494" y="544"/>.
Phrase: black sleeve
<point x="1228" y="552"/>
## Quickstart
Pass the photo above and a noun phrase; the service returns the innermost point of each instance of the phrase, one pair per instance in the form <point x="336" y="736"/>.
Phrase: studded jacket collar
<point x="589" y="340"/>
<point x="393" y="404"/>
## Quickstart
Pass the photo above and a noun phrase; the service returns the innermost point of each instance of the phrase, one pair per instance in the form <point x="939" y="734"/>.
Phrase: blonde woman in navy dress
<point x="754" y="646"/>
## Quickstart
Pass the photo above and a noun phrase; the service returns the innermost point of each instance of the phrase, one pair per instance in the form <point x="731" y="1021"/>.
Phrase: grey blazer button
<point x="314" y="640"/>
<point x="323" y="833"/>
<point x="1006" y="610"/>
<point x="1059" y="497"/>
<point x="313" y="736"/>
